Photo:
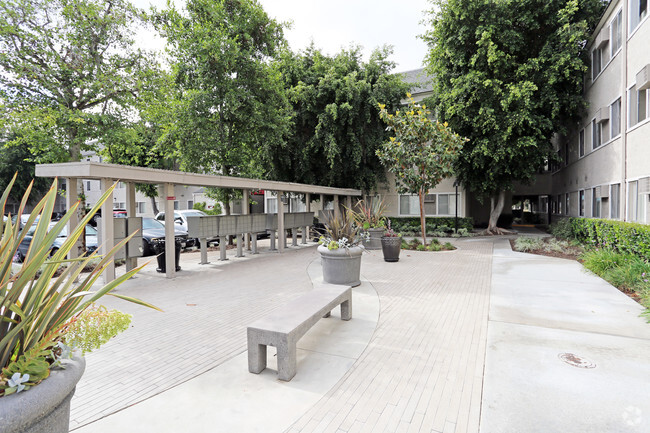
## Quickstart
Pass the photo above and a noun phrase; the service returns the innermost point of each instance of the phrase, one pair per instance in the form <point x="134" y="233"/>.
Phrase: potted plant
<point x="391" y="244"/>
<point x="43" y="308"/>
<point x="370" y="218"/>
<point x="340" y="249"/>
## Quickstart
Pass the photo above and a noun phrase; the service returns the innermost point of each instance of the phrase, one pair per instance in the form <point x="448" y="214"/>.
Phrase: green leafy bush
<point x="528" y="243"/>
<point x="95" y="326"/>
<point x="406" y="224"/>
<point x="562" y="229"/>
<point x="624" y="237"/>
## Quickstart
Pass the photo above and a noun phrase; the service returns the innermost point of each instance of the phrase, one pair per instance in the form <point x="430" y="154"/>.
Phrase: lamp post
<point x="456" y="185"/>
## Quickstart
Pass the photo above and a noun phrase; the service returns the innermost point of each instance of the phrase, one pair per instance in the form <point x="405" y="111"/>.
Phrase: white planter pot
<point x="341" y="266"/>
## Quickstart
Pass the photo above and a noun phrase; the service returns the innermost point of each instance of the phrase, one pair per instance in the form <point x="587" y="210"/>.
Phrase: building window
<point x="272" y="205"/>
<point x="120" y="185"/>
<point x="190" y="204"/>
<point x="596" y="137"/>
<point x="638" y="105"/>
<point x="434" y="204"/>
<point x="566" y="204"/>
<point x="140" y="207"/>
<point x="596" y="63"/>
<point x="615" y="201"/>
<point x="566" y="153"/>
<point x="559" y="204"/>
<point x="87" y="185"/>
<point x="595" y="202"/>
<point x="615" y="119"/>
<point x="175" y="204"/>
<point x="119" y="205"/>
<point x="638" y="11"/>
<point x="582" y="203"/>
<point x="581" y="143"/>
<point x="617" y="32"/>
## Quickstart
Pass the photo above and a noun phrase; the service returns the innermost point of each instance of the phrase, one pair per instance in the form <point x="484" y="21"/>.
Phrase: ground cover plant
<point x="434" y="245"/>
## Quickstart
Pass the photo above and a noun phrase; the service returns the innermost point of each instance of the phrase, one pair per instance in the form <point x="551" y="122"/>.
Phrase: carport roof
<point x="125" y="173"/>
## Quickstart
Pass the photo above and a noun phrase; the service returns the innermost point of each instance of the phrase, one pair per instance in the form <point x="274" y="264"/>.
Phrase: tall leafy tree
<point x="508" y="75"/>
<point x="420" y="152"/>
<point x="336" y="127"/>
<point x="63" y="65"/>
<point x="20" y="160"/>
<point x="229" y="101"/>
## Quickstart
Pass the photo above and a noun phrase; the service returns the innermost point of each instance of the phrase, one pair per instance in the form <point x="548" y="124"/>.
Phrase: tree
<point x="336" y="128"/>
<point x="508" y="75"/>
<point x="19" y="160"/>
<point x="64" y="64"/>
<point x="229" y="101"/>
<point x="420" y="154"/>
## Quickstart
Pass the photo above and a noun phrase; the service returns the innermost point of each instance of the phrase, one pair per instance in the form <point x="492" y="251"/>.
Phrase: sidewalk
<point x="420" y="355"/>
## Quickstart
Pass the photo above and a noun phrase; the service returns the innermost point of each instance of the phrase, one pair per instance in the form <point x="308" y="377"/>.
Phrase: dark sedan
<point x="153" y="236"/>
<point x="91" y="240"/>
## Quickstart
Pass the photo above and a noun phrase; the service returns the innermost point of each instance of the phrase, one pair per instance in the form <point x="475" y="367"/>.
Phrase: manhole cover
<point x="576" y="361"/>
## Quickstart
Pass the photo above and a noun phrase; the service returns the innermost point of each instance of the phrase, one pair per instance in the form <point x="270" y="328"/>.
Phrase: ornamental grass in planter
<point x="370" y="218"/>
<point x="43" y="315"/>
<point x="391" y="244"/>
<point x="340" y="249"/>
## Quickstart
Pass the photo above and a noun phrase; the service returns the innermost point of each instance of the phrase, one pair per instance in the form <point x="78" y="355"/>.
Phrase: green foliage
<point x="201" y="205"/>
<point x="421" y="248"/>
<point x="94" y="327"/>
<point x="369" y="215"/>
<point x="410" y="224"/>
<point x="420" y="154"/>
<point x="227" y="102"/>
<point x="335" y="128"/>
<point x="628" y="272"/>
<point x="630" y="238"/>
<point x="19" y="159"/>
<point x="562" y="229"/>
<point x="508" y="75"/>
<point x="435" y="246"/>
<point x="35" y="305"/>
<point x="67" y="69"/>
<point x="528" y="243"/>
<point x="342" y="232"/>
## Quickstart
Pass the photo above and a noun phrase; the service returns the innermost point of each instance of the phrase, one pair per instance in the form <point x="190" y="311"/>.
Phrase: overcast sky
<point x="334" y="24"/>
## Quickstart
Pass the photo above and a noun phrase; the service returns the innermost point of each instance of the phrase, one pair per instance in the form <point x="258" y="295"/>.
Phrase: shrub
<point x="435" y="246"/>
<point x="401" y="223"/>
<point x="624" y="237"/>
<point x="601" y="261"/>
<point x="526" y="244"/>
<point x="562" y="229"/>
<point x="421" y="247"/>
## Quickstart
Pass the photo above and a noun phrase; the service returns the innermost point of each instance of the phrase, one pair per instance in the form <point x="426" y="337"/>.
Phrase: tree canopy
<point x="420" y="152"/>
<point x="66" y="66"/>
<point x="508" y="75"/>
<point x="336" y="128"/>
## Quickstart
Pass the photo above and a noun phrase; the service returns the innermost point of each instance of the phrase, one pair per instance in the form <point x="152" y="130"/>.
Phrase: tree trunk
<point x="422" y="217"/>
<point x="496" y="207"/>
<point x="154" y="206"/>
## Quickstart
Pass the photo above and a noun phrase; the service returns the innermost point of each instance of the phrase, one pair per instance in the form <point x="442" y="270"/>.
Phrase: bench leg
<point x="256" y="356"/>
<point x="346" y="309"/>
<point x="286" y="361"/>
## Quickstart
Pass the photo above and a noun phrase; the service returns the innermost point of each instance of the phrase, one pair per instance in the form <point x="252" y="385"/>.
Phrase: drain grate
<point x="576" y="360"/>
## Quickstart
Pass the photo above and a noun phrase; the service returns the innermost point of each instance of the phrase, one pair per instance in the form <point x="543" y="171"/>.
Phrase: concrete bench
<point x="285" y="326"/>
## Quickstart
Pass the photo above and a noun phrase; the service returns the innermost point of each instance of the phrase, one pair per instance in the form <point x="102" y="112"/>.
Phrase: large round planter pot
<point x="391" y="246"/>
<point x="44" y="408"/>
<point x="374" y="239"/>
<point x="342" y="266"/>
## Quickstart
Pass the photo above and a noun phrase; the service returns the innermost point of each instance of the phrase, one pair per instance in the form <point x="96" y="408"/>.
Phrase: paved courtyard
<point x="461" y="341"/>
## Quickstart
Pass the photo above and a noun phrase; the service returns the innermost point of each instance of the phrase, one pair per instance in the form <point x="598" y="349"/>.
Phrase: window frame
<point x="612" y="117"/>
<point x="616" y="22"/>
<point x="581" y="143"/>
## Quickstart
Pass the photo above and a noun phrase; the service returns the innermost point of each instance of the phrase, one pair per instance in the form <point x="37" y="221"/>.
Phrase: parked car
<point x="180" y="220"/>
<point x="117" y="213"/>
<point x="91" y="240"/>
<point x="153" y="233"/>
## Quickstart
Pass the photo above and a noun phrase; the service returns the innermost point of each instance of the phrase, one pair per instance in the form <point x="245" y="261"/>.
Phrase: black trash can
<point x="159" y="249"/>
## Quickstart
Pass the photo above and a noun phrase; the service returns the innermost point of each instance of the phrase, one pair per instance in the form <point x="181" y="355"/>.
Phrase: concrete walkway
<point x="461" y="341"/>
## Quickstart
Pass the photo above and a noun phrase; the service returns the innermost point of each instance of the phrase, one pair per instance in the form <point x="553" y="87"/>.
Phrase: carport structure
<point x="108" y="174"/>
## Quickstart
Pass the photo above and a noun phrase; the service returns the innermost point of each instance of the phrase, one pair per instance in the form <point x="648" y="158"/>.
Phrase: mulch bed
<point x="570" y="253"/>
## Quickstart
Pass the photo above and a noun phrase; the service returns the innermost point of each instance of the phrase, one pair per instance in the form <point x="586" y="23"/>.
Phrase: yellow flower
<point x="408" y="95"/>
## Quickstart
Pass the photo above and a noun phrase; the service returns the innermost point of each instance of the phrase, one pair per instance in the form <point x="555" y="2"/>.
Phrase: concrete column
<point x="322" y="204"/>
<point x="305" y="229"/>
<point x="223" y="240"/>
<point x="131" y="262"/>
<point x="70" y="200"/>
<point x="204" y="251"/>
<point x="337" y="211"/>
<point x="240" y="242"/>
<point x="282" y="234"/>
<point x="108" y="235"/>
<point x="246" y="211"/>
<point x="348" y="201"/>
<point x="170" y="233"/>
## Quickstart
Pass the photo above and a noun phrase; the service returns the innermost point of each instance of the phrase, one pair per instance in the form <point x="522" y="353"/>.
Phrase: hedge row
<point x="621" y="236"/>
<point x="400" y="224"/>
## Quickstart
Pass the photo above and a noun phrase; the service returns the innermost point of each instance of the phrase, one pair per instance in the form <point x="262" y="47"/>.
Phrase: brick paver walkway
<point x="423" y="369"/>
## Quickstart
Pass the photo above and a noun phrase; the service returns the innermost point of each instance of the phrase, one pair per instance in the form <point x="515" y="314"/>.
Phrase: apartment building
<point x="605" y="168"/>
